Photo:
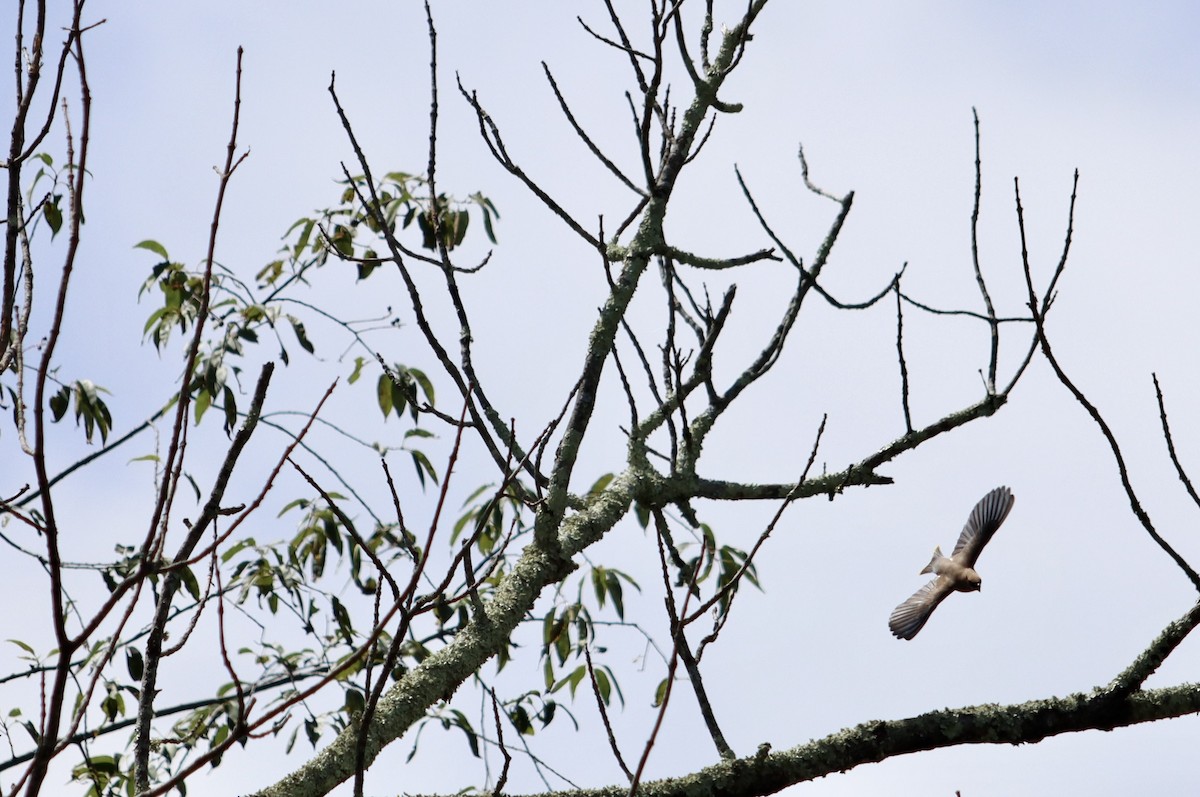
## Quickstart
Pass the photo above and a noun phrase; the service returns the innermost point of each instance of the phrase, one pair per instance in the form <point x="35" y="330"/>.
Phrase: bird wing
<point x="909" y="617"/>
<point x="985" y="518"/>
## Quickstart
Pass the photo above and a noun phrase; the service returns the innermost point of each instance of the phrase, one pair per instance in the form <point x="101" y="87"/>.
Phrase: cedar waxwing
<point x="957" y="571"/>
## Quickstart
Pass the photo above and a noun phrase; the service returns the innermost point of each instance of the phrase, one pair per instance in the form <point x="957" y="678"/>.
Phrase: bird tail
<point x="937" y="554"/>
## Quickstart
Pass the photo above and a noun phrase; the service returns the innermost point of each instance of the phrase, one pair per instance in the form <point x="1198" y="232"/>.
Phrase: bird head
<point x="973" y="582"/>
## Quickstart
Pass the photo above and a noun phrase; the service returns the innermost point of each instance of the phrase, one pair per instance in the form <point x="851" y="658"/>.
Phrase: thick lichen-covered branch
<point x="769" y="772"/>
<point x="444" y="670"/>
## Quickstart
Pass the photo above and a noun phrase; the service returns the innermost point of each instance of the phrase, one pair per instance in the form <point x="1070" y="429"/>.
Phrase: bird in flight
<point x="955" y="572"/>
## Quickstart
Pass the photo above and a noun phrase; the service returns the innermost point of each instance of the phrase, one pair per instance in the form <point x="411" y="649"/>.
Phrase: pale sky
<point x="880" y="94"/>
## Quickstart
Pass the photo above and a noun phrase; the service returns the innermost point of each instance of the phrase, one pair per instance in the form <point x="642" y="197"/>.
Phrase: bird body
<point x="955" y="573"/>
<point x="964" y="578"/>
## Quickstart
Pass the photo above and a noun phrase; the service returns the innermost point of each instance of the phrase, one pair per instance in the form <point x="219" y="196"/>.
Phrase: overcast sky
<point x="881" y="95"/>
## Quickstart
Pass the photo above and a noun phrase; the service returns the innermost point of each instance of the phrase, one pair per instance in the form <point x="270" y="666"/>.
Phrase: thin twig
<point x="903" y="365"/>
<point x="983" y="291"/>
<point x="503" y="779"/>
<point x="1088" y="407"/>
<point x="583" y="136"/>
<point x="1170" y="441"/>
<point x="612" y="739"/>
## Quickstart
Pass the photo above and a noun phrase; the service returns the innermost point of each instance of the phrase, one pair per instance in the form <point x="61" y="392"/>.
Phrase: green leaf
<point x="112" y="706"/>
<point x="342" y="240"/>
<point x="423" y="381"/>
<point x="191" y="480"/>
<point x="442" y="610"/>
<point x="32" y="730"/>
<point x="312" y="731"/>
<point x="520" y="720"/>
<point x="660" y="694"/>
<point x="269" y="273"/>
<point x="489" y="210"/>
<point x="599" y="584"/>
<point x="355" y="702"/>
<point x="155" y="247"/>
<point x="299" y="502"/>
<point x="399" y="178"/>
<point x="134" y="663"/>
<point x="53" y="214"/>
<point x="600" y="484"/>
<point x="427" y="240"/>
<point x="357" y="372"/>
<point x="472" y="739"/>
<point x="59" y="403"/>
<point x="345" y="626"/>
<point x="23" y="646"/>
<point x="301" y="336"/>
<point x="612" y="679"/>
<point x="236" y="548"/>
<point x="563" y="647"/>
<point x="302" y="241"/>
<point x="604" y="686"/>
<point x="231" y="413"/>
<point x="91" y="409"/>
<point x="567" y="680"/>
<point x="459" y="222"/>
<point x="480" y="490"/>
<point x="203" y="402"/>
<point x="367" y="266"/>
<point x="189" y="582"/>
<point x="614" y="590"/>
<point x="399" y="399"/>
<point x="423" y="466"/>
<point x="384" y="394"/>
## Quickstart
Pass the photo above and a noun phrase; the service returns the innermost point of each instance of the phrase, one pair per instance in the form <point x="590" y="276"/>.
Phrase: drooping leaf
<point x="153" y="246"/>
<point x="384" y="394"/>
<point x="600" y="484"/>
<point x="134" y="663"/>
<point x="355" y="703"/>
<point x="357" y="372"/>
<point x="189" y="582"/>
<point x="301" y="335"/>
<point x="302" y="240"/>
<point x="231" y="413"/>
<point x="423" y="466"/>
<point x="53" y="214"/>
<point x="203" y="402"/>
<point x="520" y="720"/>
<point x="342" y="616"/>
<point x="660" y="694"/>
<point x="424" y="383"/>
<point x="59" y="403"/>
<point x="458" y="228"/>
<point x="269" y="273"/>
<point x="604" y="686"/>
<point x="24" y="646"/>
